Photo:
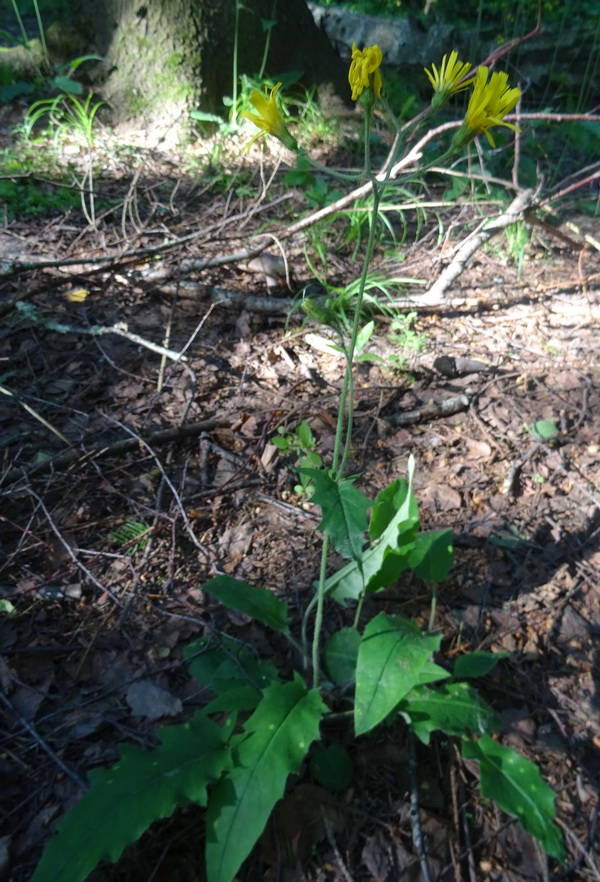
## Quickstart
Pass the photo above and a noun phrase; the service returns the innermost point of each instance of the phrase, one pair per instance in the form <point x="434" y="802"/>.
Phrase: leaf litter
<point x="92" y="647"/>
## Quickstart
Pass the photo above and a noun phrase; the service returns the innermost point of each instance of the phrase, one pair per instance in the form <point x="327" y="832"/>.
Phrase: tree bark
<point x="164" y="58"/>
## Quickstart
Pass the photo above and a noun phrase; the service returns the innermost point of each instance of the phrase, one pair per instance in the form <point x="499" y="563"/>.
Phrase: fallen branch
<point x="449" y="407"/>
<point x="515" y="211"/>
<point x="79" y="455"/>
<point x="30" y="312"/>
<point x="9" y="269"/>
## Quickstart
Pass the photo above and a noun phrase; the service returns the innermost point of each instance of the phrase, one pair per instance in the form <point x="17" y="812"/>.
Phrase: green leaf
<point x="395" y="502"/>
<point x="340" y="655"/>
<point x="123" y="801"/>
<point x="544" y="430"/>
<point x="392" y="656"/>
<point x="364" y="335"/>
<point x="344" y="510"/>
<point x="67" y="85"/>
<point x="393" y="527"/>
<point x="516" y="785"/>
<point x="454" y="708"/>
<point x="305" y="436"/>
<point x="431" y="672"/>
<point x="204" y="116"/>
<point x="76" y="62"/>
<point x="240" y="698"/>
<point x="332" y="767"/>
<point x="432" y="555"/>
<point x="258" y="603"/>
<point x="476" y="664"/>
<point x="224" y="663"/>
<point x="278" y="736"/>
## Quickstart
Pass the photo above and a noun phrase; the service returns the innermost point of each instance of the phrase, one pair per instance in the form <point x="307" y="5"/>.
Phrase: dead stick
<point x="515" y="211"/>
<point x="433" y="411"/>
<point x="43" y="744"/>
<point x="80" y="455"/>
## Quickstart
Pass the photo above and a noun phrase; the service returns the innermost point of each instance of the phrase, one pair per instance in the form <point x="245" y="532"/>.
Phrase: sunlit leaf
<point x="393" y="528"/>
<point x="278" y="736"/>
<point x="516" y="785"/>
<point x="123" y="801"/>
<point x="343" y="509"/>
<point x="453" y="708"/>
<point x="392" y="656"/>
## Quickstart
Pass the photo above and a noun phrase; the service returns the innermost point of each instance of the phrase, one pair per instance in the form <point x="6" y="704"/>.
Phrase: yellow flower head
<point x="447" y="80"/>
<point x="268" y="118"/>
<point x="488" y="105"/>
<point x="364" y="70"/>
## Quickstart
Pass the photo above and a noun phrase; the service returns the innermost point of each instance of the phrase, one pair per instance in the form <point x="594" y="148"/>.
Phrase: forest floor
<point x="99" y="432"/>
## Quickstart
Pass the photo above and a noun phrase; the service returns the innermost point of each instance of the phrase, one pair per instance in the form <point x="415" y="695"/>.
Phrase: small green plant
<point x="69" y="116"/>
<point x="235" y="757"/>
<point x="66" y="114"/>
<point x="238" y="769"/>
<point x="517" y="238"/>
<point x="302" y="444"/>
<point x="131" y="537"/>
<point x="27" y="69"/>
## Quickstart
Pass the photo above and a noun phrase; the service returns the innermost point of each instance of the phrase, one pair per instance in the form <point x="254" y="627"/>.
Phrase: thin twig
<point x="168" y="482"/>
<point x="121" y="329"/>
<point x="78" y="455"/>
<point x="415" y="821"/>
<point x="71" y="554"/>
<point x="43" y="744"/>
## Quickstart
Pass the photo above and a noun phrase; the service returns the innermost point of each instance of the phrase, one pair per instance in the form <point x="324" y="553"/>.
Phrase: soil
<point x="103" y="438"/>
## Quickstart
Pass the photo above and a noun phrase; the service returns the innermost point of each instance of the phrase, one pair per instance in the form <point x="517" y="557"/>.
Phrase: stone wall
<point x="408" y="46"/>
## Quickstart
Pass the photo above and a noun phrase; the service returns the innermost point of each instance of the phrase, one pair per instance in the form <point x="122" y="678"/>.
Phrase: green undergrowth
<point x="344" y="664"/>
<point x="263" y="724"/>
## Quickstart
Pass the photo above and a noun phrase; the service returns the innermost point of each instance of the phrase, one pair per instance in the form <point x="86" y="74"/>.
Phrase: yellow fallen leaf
<point x="78" y="295"/>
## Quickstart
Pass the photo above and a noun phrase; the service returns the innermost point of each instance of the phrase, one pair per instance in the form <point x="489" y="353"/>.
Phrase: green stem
<point x="236" y="31"/>
<point x="348" y="388"/>
<point x="316" y="645"/>
<point x="263" y="63"/>
<point x="20" y="20"/>
<point x="346" y="396"/>
<point x="433" y="609"/>
<point x="41" y="31"/>
<point x="359" y="607"/>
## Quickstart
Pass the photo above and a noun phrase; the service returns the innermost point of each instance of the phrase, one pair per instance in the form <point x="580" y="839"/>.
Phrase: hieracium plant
<point x="236" y="755"/>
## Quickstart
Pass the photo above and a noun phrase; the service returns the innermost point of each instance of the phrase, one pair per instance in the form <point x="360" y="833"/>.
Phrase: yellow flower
<point x="447" y="80"/>
<point x="488" y="105"/>
<point x="364" y="70"/>
<point x="268" y="118"/>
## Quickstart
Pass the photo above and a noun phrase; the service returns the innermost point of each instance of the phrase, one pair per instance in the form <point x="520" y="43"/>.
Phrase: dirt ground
<point x="97" y="431"/>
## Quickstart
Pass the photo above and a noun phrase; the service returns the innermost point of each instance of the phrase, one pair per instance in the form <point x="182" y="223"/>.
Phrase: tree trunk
<point x="164" y="58"/>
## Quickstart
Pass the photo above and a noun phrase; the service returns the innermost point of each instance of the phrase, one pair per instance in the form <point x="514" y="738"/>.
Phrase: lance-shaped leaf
<point x="516" y="785"/>
<point x="344" y="512"/>
<point x="258" y="603"/>
<point x="123" y="801"/>
<point x="393" y="657"/>
<point x="278" y="736"/>
<point x="393" y="529"/>
<point x="453" y="708"/>
<point x="394" y="502"/>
